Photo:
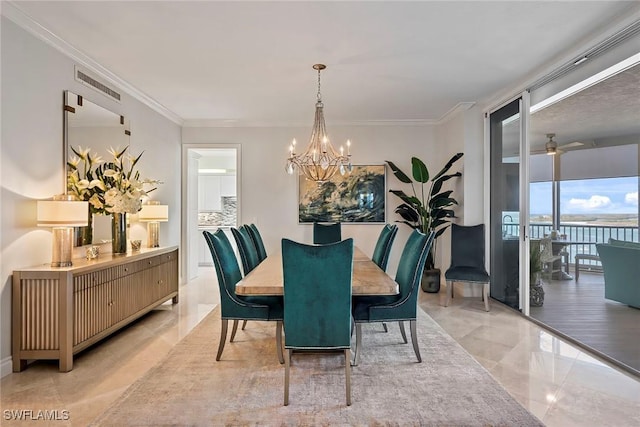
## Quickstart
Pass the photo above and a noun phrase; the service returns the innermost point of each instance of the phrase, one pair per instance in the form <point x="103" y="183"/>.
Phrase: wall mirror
<point x="87" y="124"/>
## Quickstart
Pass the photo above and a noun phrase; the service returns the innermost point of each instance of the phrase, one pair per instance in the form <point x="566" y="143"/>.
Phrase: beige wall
<point x="34" y="76"/>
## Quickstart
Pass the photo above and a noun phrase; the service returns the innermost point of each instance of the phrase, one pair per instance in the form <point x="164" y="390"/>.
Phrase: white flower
<point x="112" y="187"/>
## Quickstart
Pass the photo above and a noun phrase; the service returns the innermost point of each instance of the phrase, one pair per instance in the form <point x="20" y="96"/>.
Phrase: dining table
<point x="367" y="277"/>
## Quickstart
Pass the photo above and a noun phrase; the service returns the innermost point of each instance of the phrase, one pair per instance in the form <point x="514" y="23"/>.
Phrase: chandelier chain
<point x="319" y="96"/>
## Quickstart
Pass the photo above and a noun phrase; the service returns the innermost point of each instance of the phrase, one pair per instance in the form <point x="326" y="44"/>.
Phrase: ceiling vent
<point x="85" y="78"/>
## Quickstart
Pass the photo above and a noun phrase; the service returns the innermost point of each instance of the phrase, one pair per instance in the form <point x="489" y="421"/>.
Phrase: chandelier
<point x="320" y="161"/>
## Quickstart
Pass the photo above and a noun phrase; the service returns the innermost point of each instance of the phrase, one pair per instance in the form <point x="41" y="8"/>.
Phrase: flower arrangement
<point x="109" y="187"/>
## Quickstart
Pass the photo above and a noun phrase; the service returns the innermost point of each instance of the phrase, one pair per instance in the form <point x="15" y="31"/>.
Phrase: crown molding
<point x="224" y="123"/>
<point x="20" y="18"/>
<point x="458" y="108"/>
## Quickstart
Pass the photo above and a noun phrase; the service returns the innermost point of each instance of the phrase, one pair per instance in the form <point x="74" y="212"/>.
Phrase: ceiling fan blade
<point x="573" y="144"/>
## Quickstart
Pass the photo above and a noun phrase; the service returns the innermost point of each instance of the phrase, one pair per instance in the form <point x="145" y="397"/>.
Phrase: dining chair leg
<point x="244" y="324"/>
<point x="356" y="357"/>
<point x="287" y="363"/>
<point x="384" y="326"/>
<point x="234" y="330"/>
<point x="414" y="339"/>
<point x="449" y="293"/>
<point x="402" y="331"/>
<point x="279" y="341"/>
<point x="223" y="338"/>
<point x="485" y="296"/>
<point x="347" y="371"/>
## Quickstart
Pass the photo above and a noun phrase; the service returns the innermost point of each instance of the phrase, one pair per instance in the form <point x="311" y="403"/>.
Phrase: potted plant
<point x="536" y="292"/>
<point x="427" y="209"/>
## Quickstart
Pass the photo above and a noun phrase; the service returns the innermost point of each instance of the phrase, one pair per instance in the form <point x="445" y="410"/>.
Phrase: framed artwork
<point x="357" y="197"/>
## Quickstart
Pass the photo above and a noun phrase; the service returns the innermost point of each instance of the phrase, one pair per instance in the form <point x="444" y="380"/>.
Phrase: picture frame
<point x="358" y="197"/>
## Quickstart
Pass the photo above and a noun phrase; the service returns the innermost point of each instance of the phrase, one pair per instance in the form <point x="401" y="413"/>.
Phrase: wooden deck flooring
<point x="580" y="311"/>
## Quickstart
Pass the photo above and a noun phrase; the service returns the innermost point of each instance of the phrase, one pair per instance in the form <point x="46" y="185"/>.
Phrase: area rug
<point x="246" y="386"/>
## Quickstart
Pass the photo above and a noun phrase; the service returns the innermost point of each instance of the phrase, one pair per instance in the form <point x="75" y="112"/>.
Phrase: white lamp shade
<point x="154" y="213"/>
<point x="62" y="213"/>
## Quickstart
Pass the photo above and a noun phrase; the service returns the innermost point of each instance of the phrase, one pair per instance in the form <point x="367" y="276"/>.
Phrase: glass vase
<point x="84" y="235"/>
<point x="119" y="233"/>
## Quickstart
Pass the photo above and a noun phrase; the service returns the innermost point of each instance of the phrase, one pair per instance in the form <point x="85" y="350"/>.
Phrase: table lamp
<point x="153" y="213"/>
<point x="62" y="214"/>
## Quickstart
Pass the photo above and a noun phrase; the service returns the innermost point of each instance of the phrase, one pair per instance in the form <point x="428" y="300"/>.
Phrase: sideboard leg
<point x="19" y="365"/>
<point x="174" y="300"/>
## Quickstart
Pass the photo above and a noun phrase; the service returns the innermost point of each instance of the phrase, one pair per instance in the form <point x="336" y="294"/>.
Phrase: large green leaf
<point x="437" y="183"/>
<point x="448" y="165"/>
<point x="419" y="170"/>
<point x="408" y="213"/>
<point x="403" y="196"/>
<point x="398" y="173"/>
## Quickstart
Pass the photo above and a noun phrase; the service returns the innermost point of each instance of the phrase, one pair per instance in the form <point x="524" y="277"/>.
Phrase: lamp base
<point x="62" y="247"/>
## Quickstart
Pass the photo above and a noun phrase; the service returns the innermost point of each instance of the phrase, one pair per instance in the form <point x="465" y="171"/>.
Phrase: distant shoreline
<point x="615" y="220"/>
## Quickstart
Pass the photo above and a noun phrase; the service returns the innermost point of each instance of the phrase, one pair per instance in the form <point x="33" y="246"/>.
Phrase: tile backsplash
<point x="225" y="217"/>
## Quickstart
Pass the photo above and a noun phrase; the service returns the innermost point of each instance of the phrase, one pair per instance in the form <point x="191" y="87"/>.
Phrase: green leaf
<point x="401" y="194"/>
<point x="448" y="165"/>
<point x="419" y="170"/>
<point x="437" y="183"/>
<point x="402" y="177"/>
<point x="408" y="213"/>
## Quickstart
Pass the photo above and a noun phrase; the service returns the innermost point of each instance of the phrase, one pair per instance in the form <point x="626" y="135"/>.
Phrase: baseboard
<point x="6" y="366"/>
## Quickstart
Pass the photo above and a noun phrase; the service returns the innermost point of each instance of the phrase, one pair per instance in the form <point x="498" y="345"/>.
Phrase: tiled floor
<point x="556" y="381"/>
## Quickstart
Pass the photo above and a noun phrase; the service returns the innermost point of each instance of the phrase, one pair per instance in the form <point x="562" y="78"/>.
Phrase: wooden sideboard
<point x="58" y="312"/>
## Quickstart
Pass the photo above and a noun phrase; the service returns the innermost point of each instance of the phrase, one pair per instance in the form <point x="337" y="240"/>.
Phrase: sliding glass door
<point x="506" y="133"/>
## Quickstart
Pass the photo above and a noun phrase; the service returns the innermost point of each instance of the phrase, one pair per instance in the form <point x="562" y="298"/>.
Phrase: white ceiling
<point x="249" y="63"/>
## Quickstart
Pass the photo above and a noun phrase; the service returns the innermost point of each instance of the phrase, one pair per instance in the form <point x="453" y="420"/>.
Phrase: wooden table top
<point x="267" y="278"/>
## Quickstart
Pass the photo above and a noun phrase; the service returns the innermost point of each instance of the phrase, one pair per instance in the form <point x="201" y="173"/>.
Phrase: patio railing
<point x="588" y="235"/>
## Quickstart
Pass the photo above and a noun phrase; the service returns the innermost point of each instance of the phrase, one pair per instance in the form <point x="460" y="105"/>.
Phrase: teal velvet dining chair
<point x="246" y="248"/>
<point x="326" y="233"/>
<point x="257" y="241"/>
<point x="401" y="307"/>
<point x="248" y="255"/>
<point x="467" y="260"/>
<point x="235" y="307"/>
<point x="383" y="246"/>
<point x="382" y="250"/>
<point x="317" y="301"/>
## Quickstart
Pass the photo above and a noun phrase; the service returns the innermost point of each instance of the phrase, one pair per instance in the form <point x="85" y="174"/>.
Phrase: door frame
<point x="523" y="202"/>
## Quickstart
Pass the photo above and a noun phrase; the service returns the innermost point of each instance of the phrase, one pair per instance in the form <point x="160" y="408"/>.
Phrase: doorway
<point x="211" y="189"/>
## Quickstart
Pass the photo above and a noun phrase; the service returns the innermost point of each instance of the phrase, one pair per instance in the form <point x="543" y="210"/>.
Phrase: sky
<point x="593" y="196"/>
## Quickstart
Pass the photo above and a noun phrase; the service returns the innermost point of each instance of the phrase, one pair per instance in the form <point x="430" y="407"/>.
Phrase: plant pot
<point x="536" y="291"/>
<point x="431" y="281"/>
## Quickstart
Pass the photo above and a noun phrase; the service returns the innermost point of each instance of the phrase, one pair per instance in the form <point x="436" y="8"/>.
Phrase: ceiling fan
<point x="552" y="147"/>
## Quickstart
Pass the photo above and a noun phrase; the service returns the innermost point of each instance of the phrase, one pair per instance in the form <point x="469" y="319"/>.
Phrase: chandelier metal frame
<point x="320" y="161"/>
